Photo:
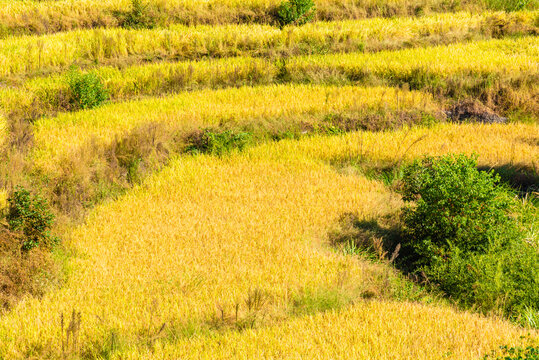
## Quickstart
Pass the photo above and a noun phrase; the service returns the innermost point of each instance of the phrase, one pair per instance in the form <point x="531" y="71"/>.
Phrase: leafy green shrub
<point x="31" y="215"/>
<point x="297" y="12"/>
<point x="86" y="90"/>
<point x="217" y="143"/>
<point x="455" y="205"/>
<point x="459" y="233"/>
<point x="503" y="279"/>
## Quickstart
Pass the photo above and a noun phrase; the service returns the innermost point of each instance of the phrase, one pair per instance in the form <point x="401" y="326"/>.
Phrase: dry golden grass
<point x="506" y="56"/>
<point x="204" y="232"/>
<point x="495" y="144"/>
<point x="3" y="131"/>
<point x="162" y="78"/>
<point x="22" y="274"/>
<point x="207" y="257"/>
<point x="197" y="237"/>
<point x="3" y="200"/>
<point x="29" y="54"/>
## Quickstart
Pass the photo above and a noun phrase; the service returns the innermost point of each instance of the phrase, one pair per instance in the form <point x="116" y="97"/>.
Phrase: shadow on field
<point x="382" y="238"/>
<point x="375" y="237"/>
<point x="521" y="178"/>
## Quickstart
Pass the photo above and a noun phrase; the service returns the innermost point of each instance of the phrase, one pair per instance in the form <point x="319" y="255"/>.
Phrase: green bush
<point x="453" y="205"/>
<point x="461" y="231"/>
<point x="297" y="12"/>
<point x="86" y="90"/>
<point x="217" y="143"/>
<point x="31" y="215"/>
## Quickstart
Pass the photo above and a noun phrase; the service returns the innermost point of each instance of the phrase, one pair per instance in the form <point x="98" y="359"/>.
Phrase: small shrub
<point x="217" y="143"/>
<point x="297" y="12"/>
<point x="86" y="90"/>
<point x="31" y="215"/>
<point x="139" y="17"/>
<point x="454" y="205"/>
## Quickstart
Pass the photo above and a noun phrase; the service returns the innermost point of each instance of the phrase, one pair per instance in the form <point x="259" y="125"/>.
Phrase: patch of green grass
<point x="511" y="5"/>
<point x="314" y="301"/>
<point x="217" y="142"/>
<point x="526" y="352"/>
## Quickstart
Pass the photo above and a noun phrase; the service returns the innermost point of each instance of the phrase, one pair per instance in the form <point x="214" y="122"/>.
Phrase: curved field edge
<point x="495" y="144"/>
<point x="368" y="330"/>
<point x="199" y="235"/>
<point x="185" y="112"/>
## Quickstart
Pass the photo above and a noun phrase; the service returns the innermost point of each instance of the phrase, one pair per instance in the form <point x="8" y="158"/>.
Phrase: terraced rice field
<point x="85" y="47"/>
<point x="175" y="248"/>
<point x="39" y="17"/>
<point x="281" y="105"/>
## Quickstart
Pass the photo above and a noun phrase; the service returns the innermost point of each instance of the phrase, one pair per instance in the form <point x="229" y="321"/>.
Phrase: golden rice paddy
<point x="220" y="256"/>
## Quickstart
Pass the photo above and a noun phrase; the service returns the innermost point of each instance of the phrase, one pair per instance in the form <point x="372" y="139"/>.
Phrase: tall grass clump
<point x="139" y="17"/>
<point x="464" y="231"/>
<point x="86" y="91"/>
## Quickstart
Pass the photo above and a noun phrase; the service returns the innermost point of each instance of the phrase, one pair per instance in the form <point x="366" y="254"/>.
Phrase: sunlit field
<point x="203" y="234"/>
<point x="208" y="180"/>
